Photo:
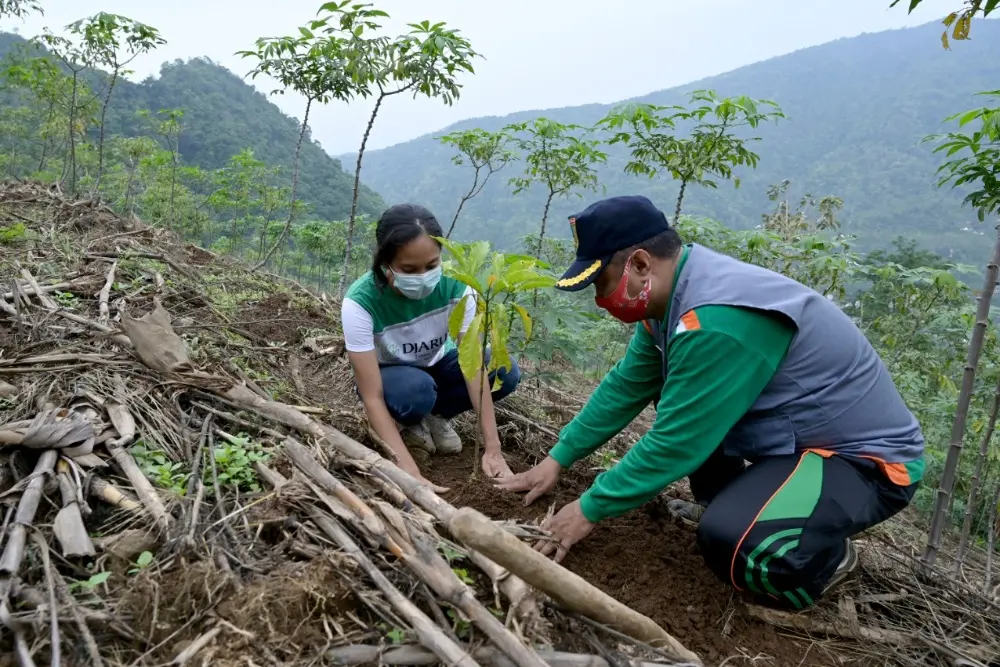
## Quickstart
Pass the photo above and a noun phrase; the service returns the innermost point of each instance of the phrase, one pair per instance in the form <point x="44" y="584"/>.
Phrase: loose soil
<point x="646" y="560"/>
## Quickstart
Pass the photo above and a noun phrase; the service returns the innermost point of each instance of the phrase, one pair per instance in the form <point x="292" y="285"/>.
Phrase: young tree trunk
<point x="680" y="199"/>
<point x="466" y="198"/>
<point x="977" y="474"/>
<point x="354" y="197"/>
<point x="295" y="186"/>
<point x="940" y="515"/>
<point x="541" y="241"/>
<point x="72" y="136"/>
<point x="100" y="142"/>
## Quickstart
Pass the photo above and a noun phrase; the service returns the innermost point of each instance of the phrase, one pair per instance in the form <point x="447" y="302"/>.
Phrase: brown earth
<point x="647" y="561"/>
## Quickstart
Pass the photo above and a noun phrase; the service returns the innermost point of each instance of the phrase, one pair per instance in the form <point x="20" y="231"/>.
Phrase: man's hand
<point x="495" y="466"/>
<point x="537" y="482"/>
<point x="568" y="526"/>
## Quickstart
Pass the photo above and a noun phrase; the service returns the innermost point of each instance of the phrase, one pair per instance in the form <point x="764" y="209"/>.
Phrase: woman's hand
<point x="415" y="472"/>
<point x="495" y="466"/>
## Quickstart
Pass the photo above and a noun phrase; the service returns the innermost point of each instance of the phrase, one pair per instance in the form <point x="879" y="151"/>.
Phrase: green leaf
<point x="470" y="349"/>
<point x="456" y="317"/>
<point x="145" y="558"/>
<point x="98" y="579"/>
<point x="525" y="319"/>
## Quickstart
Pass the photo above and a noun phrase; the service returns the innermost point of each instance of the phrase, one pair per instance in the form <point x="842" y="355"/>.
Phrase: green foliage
<point x="712" y="148"/>
<point x="557" y="159"/>
<point x="12" y="233"/>
<point x="486" y="152"/>
<point x="233" y="463"/>
<point x="157" y="466"/>
<point x="496" y="279"/>
<point x="853" y="132"/>
<point x="979" y="161"/>
<point x="19" y="8"/>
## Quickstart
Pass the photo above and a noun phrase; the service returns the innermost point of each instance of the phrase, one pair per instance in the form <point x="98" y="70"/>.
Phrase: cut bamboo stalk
<point x="143" y="488"/>
<point x="17" y="534"/>
<point x="69" y="527"/>
<point x="112" y="495"/>
<point x="567" y="588"/>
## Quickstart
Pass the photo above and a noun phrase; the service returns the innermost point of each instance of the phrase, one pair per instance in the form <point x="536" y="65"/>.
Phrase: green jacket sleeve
<point x="715" y="375"/>
<point x="633" y="383"/>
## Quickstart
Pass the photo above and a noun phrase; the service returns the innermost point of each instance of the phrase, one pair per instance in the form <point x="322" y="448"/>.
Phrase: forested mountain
<point x="857" y="110"/>
<point x="223" y="114"/>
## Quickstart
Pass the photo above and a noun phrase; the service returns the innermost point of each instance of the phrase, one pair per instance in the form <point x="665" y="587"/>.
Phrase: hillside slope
<point x="857" y="111"/>
<point x="223" y="115"/>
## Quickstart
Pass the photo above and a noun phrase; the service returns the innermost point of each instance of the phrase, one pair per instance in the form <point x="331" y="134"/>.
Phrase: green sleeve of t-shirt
<point x="718" y="366"/>
<point x="632" y="384"/>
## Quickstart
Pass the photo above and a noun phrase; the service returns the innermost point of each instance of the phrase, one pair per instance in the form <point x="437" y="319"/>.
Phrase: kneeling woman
<point x="395" y="320"/>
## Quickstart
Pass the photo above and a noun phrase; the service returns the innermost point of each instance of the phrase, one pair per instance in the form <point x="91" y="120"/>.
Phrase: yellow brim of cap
<point x="582" y="276"/>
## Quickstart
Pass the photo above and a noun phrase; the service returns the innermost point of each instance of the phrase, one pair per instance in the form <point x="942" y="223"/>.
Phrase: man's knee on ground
<point x="718" y="539"/>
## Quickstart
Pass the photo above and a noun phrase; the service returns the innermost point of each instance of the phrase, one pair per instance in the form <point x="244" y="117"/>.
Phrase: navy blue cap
<point x="604" y="228"/>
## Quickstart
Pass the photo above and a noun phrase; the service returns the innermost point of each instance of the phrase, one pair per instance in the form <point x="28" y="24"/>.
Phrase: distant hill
<point x="857" y="111"/>
<point x="223" y="115"/>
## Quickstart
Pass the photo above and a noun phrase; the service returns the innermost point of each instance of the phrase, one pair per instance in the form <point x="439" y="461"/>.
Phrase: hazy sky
<point x="549" y="53"/>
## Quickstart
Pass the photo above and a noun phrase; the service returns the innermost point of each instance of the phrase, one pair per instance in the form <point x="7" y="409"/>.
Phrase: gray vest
<point x="832" y="390"/>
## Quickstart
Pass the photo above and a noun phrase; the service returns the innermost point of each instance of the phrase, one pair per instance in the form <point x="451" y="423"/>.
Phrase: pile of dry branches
<point x="269" y="537"/>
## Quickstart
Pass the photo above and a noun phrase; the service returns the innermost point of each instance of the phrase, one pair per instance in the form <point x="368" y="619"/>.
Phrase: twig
<point x="54" y="639"/>
<point x="196" y="646"/>
<point x="42" y="297"/>
<point x="105" y="293"/>
<point x="81" y="623"/>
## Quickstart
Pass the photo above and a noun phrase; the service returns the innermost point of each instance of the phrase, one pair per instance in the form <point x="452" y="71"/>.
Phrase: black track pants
<point x="776" y="529"/>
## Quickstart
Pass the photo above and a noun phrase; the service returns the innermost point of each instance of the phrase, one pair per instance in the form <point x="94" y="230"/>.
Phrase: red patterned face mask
<point x="623" y="307"/>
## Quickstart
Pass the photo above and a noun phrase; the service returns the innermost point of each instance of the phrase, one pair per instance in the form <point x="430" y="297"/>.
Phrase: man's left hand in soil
<point x="568" y="526"/>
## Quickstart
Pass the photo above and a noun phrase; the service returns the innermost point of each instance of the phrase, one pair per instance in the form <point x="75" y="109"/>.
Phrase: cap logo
<point x="576" y="237"/>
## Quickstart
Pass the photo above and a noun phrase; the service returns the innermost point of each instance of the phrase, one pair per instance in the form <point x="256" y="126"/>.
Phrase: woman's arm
<point x="359" y="341"/>
<point x="369" y="378"/>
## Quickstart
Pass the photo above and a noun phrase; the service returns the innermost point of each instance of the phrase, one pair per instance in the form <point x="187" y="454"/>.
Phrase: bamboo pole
<point x="940" y="516"/>
<point x="567" y="588"/>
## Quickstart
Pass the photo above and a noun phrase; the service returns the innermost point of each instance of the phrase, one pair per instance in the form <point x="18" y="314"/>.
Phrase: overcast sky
<point x="548" y="53"/>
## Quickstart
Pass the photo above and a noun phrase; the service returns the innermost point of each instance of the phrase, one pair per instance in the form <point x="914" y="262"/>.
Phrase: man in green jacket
<point x="743" y="365"/>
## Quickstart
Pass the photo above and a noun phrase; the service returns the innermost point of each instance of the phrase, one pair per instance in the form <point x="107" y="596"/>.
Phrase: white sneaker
<point x="417" y="437"/>
<point x="446" y="441"/>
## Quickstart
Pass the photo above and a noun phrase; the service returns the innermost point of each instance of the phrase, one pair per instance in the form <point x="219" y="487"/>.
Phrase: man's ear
<point x="642" y="263"/>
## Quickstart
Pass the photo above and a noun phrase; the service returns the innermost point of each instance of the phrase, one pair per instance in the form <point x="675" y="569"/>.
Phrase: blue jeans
<point x="411" y="393"/>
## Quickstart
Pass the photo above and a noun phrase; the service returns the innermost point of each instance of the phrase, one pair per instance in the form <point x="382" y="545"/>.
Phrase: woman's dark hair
<point x="399" y="225"/>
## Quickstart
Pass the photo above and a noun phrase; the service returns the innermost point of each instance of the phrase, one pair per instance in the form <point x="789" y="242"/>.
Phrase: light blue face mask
<point x="416" y="286"/>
